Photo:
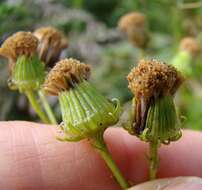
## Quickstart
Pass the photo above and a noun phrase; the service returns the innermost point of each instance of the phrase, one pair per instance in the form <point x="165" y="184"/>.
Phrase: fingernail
<point x="179" y="183"/>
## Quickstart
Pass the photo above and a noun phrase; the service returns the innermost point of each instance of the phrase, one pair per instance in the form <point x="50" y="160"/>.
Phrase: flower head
<point x="153" y="84"/>
<point x="65" y="74"/>
<point x="190" y="45"/>
<point x="153" y="79"/>
<point x="134" y="25"/>
<point x="26" y="70"/>
<point x="85" y="112"/>
<point x="51" y="44"/>
<point x="20" y="43"/>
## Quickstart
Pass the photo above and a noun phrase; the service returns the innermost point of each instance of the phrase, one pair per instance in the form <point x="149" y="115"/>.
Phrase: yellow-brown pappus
<point x="20" y="43"/>
<point x="51" y="43"/>
<point x="65" y="74"/>
<point x="152" y="78"/>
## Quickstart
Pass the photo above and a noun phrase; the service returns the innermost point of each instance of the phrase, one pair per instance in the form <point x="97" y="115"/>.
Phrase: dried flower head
<point x="150" y="81"/>
<point x="51" y="43"/>
<point x="133" y="18"/>
<point x="190" y="45"/>
<point x="21" y="43"/>
<point x="134" y="25"/>
<point x="153" y="79"/>
<point x="65" y="74"/>
<point x="154" y="118"/>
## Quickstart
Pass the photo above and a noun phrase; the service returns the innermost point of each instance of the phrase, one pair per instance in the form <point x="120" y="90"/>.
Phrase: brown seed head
<point x="190" y="45"/>
<point x="134" y="25"/>
<point x="153" y="79"/>
<point x="51" y="43"/>
<point x="65" y="74"/>
<point x="131" y="19"/>
<point x="21" y="43"/>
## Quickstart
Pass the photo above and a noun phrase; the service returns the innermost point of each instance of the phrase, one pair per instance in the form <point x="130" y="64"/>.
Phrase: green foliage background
<point x="91" y="27"/>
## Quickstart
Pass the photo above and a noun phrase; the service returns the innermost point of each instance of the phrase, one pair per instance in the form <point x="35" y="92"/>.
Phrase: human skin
<point x="32" y="159"/>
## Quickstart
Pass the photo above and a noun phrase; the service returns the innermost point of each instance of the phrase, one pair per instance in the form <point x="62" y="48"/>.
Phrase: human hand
<point x="178" y="183"/>
<point x="31" y="158"/>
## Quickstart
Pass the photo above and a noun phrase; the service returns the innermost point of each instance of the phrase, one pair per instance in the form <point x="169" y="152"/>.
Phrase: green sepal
<point x="182" y="62"/>
<point x="162" y="122"/>
<point x="86" y="112"/>
<point x="28" y="74"/>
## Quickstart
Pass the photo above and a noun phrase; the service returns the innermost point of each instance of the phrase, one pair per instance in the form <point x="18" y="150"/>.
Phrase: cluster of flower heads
<point x="46" y="42"/>
<point x="65" y="74"/>
<point x="85" y="111"/>
<point x="153" y="79"/>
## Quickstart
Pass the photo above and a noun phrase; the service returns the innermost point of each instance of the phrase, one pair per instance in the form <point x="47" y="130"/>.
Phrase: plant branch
<point x="154" y="160"/>
<point x="36" y="106"/>
<point x="102" y="149"/>
<point x="47" y="107"/>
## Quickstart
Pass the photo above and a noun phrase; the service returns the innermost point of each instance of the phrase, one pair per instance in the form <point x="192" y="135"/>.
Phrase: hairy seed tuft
<point x="153" y="79"/>
<point x="21" y="43"/>
<point x="65" y="74"/>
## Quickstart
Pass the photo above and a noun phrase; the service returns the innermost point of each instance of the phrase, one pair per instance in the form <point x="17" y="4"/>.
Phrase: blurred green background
<point x="91" y="28"/>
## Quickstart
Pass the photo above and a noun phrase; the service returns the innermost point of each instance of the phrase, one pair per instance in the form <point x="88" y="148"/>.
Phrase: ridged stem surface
<point x="36" y="106"/>
<point x="101" y="147"/>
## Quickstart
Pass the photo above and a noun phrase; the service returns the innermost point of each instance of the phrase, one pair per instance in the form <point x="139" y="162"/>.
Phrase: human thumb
<point x="178" y="183"/>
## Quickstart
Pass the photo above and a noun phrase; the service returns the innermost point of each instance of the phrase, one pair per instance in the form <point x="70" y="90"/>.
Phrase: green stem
<point x="47" y="107"/>
<point x="102" y="149"/>
<point x="36" y="106"/>
<point x="154" y="160"/>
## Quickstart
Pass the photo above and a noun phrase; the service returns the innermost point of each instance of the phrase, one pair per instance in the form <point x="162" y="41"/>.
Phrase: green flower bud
<point x="154" y="117"/>
<point x="85" y="111"/>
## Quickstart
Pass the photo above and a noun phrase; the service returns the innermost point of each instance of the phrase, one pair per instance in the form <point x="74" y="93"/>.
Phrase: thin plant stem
<point x="47" y="108"/>
<point x="193" y="5"/>
<point x="102" y="149"/>
<point x="36" y="106"/>
<point x="154" y="160"/>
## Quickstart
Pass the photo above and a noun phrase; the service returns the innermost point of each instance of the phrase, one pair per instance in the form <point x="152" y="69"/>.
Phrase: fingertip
<point x="180" y="158"/>
<point x="33" y="158"/>
<point x="179" y="183"/>
<point x="130" y="154"/>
